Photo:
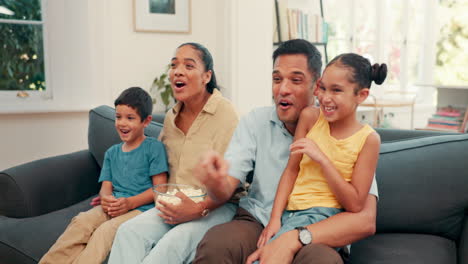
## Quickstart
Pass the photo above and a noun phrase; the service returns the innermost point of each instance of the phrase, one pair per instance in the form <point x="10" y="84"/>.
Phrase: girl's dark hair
<point x="138" y="99"/>
<point x="362" y="72"/>
<point x="304" y="47"/>
<point x="205" y="56"/>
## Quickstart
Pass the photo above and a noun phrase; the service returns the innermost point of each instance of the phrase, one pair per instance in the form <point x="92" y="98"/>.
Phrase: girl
<point x="340" y="154"/>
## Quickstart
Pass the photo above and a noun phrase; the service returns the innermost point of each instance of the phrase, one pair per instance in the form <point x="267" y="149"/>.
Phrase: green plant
<point x="21" y="47"/>
<point x="162" y="86"/>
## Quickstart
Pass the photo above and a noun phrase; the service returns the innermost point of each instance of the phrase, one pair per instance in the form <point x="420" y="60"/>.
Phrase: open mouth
<point x="329" y="108"/>
<point x="284" y="103"/>
<point x="124" y="131"/>
<point x="179" y="84"/>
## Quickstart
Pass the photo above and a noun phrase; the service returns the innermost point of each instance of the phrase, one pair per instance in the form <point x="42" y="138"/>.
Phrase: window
<point x="22" y="63"/>
<point x="451" y="50"/>
<point x="384" y="31"/>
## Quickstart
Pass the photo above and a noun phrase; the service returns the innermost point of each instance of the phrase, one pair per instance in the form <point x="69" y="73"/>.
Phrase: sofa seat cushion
<point x="26" y="240"/>
<point x="404" y="248"/>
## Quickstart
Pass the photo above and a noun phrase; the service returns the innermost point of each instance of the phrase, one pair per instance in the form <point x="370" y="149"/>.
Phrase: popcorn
<point x="197" y="195"/>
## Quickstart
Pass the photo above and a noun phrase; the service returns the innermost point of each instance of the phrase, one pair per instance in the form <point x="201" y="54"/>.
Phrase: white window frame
<point x="426" y="60"/>
<point x="10" y="99"/>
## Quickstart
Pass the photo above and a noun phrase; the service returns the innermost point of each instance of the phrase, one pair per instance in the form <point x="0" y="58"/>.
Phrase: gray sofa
<point x="422" y="177"/>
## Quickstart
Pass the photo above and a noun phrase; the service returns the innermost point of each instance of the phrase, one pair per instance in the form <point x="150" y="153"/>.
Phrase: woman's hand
<point x="268" y="232"/>
<point x="308" y="147"/>
<point x="186" y="210"/>
<point x="119" y="207"/>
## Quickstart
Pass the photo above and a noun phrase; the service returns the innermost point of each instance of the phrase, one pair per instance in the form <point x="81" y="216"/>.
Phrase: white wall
<point x="95" y="54"/>
<point x="26" y="137"/>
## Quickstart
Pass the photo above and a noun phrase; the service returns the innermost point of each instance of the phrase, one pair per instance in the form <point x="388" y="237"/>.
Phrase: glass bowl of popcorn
<point x="167" y="192"/>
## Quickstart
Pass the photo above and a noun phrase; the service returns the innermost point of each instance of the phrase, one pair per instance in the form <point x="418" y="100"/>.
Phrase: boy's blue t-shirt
<point x="130" y="172"/>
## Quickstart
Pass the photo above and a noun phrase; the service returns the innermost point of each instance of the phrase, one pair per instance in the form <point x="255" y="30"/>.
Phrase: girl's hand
<point x="268" y="232"/>
<point x="187" y="210"/>
<point x="281" y="250"/>
<point x="308" y="147"/>
<point x="119" y="207"/>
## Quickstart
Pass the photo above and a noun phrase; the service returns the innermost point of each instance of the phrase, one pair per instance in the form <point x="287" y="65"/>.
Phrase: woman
<point x="201" y="120"/>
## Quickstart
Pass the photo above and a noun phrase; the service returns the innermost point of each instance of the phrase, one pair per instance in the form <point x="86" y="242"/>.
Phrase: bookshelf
<point x="279" y="32"/>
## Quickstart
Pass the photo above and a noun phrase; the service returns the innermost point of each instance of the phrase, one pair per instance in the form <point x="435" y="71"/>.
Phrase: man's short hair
<point x="138" y="99"/>
<point x="301" y="46"/>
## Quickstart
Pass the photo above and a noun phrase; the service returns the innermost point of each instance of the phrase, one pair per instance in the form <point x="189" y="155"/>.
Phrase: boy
<point x="129" y="171"/>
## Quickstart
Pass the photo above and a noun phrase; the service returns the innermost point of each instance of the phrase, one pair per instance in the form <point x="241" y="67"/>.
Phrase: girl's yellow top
<point x="311" y="188"/>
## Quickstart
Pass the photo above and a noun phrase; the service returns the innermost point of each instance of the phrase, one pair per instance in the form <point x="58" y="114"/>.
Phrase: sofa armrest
<point x="49" y="184"/>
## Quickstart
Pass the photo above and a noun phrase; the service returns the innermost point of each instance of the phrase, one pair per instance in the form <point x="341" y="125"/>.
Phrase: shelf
<point x="279" y="36"/>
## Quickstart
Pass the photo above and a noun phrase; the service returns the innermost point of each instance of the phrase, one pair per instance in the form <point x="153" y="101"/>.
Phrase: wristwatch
<point x="305" y="236"/>
<point x="205" y="211"/>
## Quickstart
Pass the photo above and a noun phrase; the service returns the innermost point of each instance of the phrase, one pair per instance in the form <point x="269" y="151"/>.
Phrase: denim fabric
<point x="293" y="219"/>
<point x="147" y="239"/>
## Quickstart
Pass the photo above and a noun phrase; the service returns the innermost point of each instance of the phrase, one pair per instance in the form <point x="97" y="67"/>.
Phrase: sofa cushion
<point x="423" y="186"/>
<point x="102" y="134"/>
<point x="26" y="240"/>
<point x="404" y="248"/>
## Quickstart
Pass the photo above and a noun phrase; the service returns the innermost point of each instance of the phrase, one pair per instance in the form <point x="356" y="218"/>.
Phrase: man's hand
<point x="187" y="210"/>
<point x="308" y="147"/>
<point x="279" y="251"/>
<point x="119" y="207"/>
<point x="211" y="169"/>
<point x="268" y="232"/>
<point x="95" y="201"/>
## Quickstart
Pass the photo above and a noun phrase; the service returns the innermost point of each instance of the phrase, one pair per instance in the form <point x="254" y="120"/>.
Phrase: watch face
<point x="305" y="236"/>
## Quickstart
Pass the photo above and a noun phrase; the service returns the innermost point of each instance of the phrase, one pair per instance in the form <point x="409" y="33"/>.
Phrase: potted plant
<point x="162" y="87"/>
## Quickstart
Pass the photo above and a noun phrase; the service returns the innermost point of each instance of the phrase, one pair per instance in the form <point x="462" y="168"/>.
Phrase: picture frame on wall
<point x="170" y="16"/>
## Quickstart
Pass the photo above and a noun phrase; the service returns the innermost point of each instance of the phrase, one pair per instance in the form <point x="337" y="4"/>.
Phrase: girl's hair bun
<point x="379" y="73"/>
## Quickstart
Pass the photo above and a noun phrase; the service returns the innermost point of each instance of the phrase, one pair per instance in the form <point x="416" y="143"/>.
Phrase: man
<point x="261" y="143"/>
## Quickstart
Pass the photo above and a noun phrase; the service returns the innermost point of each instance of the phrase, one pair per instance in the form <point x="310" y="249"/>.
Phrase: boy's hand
<point x="268" y="232"/>
<point x="187" y="210"/>
<point x="308" y="147"/>
<point x="120" y="206"/>
<point x="106" y="201"/>
<point x="95" y="201"/>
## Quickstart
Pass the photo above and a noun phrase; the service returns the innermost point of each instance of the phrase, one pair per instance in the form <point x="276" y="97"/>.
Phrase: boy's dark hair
<point x="301" y="46"/>
<point x="362" y="72"/>
<point x="136" y="98"/>
<point x="207" y="59"/>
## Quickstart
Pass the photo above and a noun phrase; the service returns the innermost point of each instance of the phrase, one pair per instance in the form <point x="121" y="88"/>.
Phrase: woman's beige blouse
<point x="211" y="130"/>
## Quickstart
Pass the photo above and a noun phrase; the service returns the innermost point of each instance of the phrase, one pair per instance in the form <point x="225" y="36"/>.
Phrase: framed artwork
<point x="171" y="16"/>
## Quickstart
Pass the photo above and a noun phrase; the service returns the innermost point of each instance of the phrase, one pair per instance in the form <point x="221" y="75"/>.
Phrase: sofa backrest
<point x="423" y="185"/>
<point x="390" y="134"/>
<point x="102" y="134"/>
